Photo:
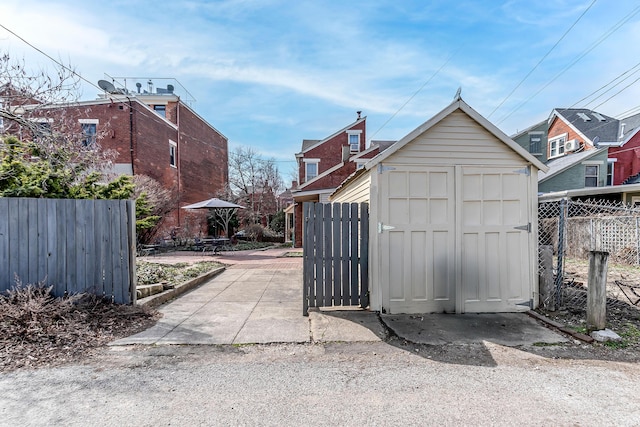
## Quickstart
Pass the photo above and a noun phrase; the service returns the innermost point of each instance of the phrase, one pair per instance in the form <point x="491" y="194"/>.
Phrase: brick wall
<point x="330" y="152"/>
<point x="202" y="152"/>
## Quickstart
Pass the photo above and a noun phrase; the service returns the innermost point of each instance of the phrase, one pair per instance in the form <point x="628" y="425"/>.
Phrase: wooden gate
<point x="336" y="255"/>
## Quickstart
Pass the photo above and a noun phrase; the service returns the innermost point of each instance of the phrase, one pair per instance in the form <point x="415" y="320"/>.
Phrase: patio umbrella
<point x="214" y="203"/>
<point x="222" y="208"/>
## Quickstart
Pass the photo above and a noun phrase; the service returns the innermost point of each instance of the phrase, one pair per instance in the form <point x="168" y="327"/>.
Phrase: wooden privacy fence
<point x="73" y="245"/>
<point x="336" y="255"/>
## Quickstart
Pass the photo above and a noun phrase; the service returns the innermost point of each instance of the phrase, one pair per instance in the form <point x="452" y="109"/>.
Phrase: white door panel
<point x="494" y="254"/>
<point x="417" y="255"/>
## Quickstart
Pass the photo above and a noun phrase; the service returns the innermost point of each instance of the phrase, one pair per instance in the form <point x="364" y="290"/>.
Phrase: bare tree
<point x="255" y="181"/>
<point x="224" y="217"/>
<point x="30" y="104"/>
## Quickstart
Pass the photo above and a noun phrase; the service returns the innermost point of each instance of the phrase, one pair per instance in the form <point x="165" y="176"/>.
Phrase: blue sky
<point x="269" y="73"/>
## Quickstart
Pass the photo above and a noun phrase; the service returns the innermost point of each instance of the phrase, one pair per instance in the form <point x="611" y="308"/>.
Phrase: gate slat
<point x="328" y="255"/>
<point x="319" y="276"/>
<point x="337" y="254"/>
<point x="364" y="255"/>
<point x="354" y="253"/>
<point x="346" y="287"/>
<point x="307" y="252"/>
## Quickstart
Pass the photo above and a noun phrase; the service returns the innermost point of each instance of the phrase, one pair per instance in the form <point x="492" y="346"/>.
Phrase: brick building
<point x="157" y="134"/>
<point x="324" y="164"/>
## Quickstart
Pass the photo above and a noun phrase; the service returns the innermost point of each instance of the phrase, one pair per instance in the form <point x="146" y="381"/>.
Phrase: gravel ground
<point x="332" y="384"/>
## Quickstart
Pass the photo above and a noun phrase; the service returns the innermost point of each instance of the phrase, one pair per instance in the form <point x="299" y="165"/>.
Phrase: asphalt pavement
<point x="258" y="300"/>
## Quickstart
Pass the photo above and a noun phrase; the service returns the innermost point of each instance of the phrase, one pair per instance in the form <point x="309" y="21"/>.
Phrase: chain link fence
<point x="568" y="232"/>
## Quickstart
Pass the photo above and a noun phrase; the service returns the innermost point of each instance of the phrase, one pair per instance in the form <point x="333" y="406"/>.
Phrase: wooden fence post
<point x="545" y="278"/>
<point x="597" y="291"/>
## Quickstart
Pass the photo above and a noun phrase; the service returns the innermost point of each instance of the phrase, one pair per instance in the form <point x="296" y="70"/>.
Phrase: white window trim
<point x="311" y="161"/>
<point x="635" y="200"/>
<point x="360" y="163"/>
<point x="536" y="133"/>
<point x="597" y="175"/>
<point x="89" y="121"/>
<point x="611" y="162"/>
<point x="175" y="155"/>
<point x="357" y="132"/>
<point x="554" y="139"/>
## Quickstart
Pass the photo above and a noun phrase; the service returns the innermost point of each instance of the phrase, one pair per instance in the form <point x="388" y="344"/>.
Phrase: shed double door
<point x="454" y="239"/>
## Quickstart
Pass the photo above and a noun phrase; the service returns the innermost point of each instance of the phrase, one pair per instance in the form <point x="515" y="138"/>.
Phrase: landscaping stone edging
<point x="169" y="294"/>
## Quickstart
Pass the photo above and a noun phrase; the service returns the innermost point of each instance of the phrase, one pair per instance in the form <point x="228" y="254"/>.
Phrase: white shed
<point x="453" y="214"/>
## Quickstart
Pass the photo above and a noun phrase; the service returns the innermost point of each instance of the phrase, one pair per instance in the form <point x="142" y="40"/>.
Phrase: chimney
<point x="622" y="125"/>
<point x="294" y="184"/>
<point x="346" y="152"/>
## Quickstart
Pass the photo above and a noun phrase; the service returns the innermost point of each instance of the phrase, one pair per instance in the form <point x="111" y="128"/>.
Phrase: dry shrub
<point x="37" y="328"/>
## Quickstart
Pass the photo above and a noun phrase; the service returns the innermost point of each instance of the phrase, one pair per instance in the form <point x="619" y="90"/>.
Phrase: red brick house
<point x="157" y="134"/>
<point x="574" y="130"/>
<point x="324" y="164"/>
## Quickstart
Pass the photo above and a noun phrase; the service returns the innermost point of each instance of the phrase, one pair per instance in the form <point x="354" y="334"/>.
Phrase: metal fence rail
<point x="75" y="246"/>
<point x="335" y="253"/>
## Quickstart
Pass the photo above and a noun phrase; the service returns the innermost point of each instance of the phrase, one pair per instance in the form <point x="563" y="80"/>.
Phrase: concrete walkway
<point x="258" y="299"/>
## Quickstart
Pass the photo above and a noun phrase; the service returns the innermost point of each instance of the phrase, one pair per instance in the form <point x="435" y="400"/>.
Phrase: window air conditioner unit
<point x="572" y="145"/>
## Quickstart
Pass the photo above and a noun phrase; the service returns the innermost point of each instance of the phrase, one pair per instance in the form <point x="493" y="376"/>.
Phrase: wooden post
<point x="545" y="278"/>
<point x="597" y="291"/>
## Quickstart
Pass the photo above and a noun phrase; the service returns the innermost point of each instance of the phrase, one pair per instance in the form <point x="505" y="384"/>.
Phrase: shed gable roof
<point x="457" y="104"/>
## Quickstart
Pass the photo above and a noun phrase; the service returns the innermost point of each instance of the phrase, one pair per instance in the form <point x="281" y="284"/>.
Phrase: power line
<point x="542" y="59"/>
<point x="415" y="93"/>
<point x="131" y="105"/>
<point x="604" y="86"/>
<point x="602" y="38"/>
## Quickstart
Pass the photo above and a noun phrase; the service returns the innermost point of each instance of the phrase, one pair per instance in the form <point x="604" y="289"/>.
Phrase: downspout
<point x="131" y="135"/>
<point x="178" y="153"/>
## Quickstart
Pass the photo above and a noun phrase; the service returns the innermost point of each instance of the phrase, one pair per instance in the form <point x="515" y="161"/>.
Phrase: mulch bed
<point x="37" y="329"/>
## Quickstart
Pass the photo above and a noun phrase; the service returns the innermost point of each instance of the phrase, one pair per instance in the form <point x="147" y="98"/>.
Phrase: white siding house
<point x="453" y="210"/>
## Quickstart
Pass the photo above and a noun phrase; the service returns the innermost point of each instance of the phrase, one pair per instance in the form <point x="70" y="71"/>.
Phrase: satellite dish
<point x="107" y="86"/>
<point x="596" y="140"/>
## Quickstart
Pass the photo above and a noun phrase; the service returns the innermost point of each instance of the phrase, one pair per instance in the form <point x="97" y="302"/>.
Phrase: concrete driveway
<point x="258" y="300"/>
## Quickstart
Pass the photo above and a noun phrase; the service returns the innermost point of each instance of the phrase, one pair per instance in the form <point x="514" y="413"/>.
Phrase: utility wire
<point x="542" y="59"/>
<point x="578" y="58"/>
<point x="415" y="93"/>
<point x="617" y="93"/>
<point x="603" y="87"/>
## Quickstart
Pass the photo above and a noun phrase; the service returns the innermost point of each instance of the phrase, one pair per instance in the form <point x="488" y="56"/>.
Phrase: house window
<point x="354" y="143"/>
<point x="610" y="173"/>
<point x="591" y="175"/>
<point x="535" y="142"/>
<point x="311" y="171"/>
<point x="354" y="140"/>
<point x="556" y="146"/>
<point x="173" y="154"/>
<point x="43" y="129"/>
<point x="161" y="110"/>
<point x="88" y="134"/>
<point x="89" y="130"/>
